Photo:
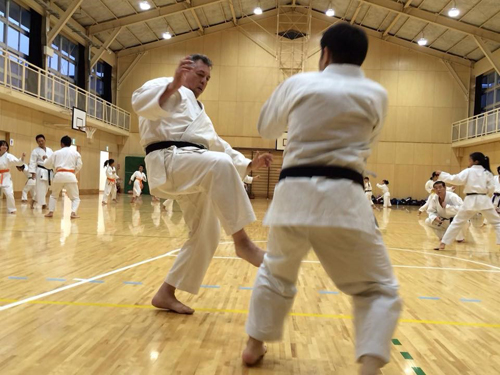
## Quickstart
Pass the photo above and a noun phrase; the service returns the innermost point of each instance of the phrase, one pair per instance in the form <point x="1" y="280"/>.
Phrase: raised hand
<point x="261" y="160"/>
<point x="186" y="65"/>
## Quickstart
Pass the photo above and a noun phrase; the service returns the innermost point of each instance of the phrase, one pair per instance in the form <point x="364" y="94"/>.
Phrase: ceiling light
<point x="167" y="35"/>
<point x="258" y="10"/>
<point x="453" y="12"/>
<point x="144" y="5"/>
<point x="422" y="41"/>
<point x="330" y="12"/>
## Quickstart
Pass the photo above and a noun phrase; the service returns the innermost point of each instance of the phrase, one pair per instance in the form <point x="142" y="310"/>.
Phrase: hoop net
<point x="90" y="131"/>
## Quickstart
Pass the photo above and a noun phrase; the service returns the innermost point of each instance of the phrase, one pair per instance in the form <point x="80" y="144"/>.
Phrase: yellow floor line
<point x="308" y="315"/>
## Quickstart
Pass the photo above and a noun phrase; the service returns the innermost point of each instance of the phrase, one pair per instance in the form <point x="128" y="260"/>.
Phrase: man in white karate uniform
<point x="41" y="174"/>
<point x="333" y="117"/>
<point x="66" y="163"/>
<point x="496" y="193"/>
<point x="189" y="162"/>
<point x="442" y="208"/>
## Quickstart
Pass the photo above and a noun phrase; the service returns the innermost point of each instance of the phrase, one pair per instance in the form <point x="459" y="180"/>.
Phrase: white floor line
<point x="443" y="256"/>
<point x="85" y="281"/>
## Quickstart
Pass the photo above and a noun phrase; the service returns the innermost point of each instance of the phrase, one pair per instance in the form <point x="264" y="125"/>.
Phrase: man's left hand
<point x="260" y="160"/>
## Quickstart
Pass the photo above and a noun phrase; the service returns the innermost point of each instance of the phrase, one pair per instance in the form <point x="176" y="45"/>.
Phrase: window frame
<point x="21" y="29"/>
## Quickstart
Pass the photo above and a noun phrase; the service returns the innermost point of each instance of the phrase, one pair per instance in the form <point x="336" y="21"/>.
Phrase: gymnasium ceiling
<point x="400" y="21"/>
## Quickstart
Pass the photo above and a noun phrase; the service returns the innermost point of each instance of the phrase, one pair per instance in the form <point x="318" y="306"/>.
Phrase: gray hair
<point x="196" y="56"/>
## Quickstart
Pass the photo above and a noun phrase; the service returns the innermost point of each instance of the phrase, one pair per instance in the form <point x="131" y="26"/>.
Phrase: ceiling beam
<point x="494" y="60"/>
<point x="394" y="40"/>
<point x="193" y="35"/>
<point x="160" y="12"/>
<point x="104" y="47"/>
<point x="233" y="13"/>
<point x="131" y="67"/>
<point x="356" y="12"/>
<point x="63" y="20"/>
<point x="200" y="26"/>
<point x="434" y="19"/>
<point x="457" y="79"/>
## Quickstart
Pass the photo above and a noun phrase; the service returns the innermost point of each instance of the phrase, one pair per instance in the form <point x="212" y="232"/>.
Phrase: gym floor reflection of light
<point x="154" y="355"/>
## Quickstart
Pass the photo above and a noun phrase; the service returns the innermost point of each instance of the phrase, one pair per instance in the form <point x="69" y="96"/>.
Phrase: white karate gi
<point x="369" y="192"/>
<point x="476" y="180"/>
<point x="206" y="183"/>
<point x="42" y="175"/>
<point x="138" y="178"/>
<point x="496" y="193"/>
<point x="452" y="203"/>
<point x="110" y="185"/>
<point x="386" y="194"/>
<point x="66" y="163"/>
<point x="429" y="185"/>
<point x="30" y="186"/>
<point x="7" y="162"/>
<point x="333" y="117"/>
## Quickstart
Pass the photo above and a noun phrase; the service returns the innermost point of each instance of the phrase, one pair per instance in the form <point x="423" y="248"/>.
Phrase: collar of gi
<point x="345" y="70"/>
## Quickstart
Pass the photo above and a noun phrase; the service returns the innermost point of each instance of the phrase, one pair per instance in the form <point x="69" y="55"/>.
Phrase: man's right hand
<point x="438" y="221"/>
<point x="186" y="65"/>
<point x="33" y="176"/>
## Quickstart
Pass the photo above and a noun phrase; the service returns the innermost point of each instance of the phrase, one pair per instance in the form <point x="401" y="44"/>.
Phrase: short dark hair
<point x="142" y="165"/>
<point x="385" y="182"/>
<point x="439" y="183"/>
<point x="498" y="170"/>
<point x="66" y="141"/>
<point x="196" y="56"/>
<point x="4" y="142"/>
<point x="346" y="43"/>
<point x="367" y="178"/>
<point x="39" y="136"/>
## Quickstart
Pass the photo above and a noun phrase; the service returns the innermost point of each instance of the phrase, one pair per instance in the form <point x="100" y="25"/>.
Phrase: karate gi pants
<point x="208" y="189"/>
<point x="42" y="187"/>
<point x="387" y="200"/>
<point x="369" y="195"/>
<point x="358" y="264"/>
<point x="440" y="230"/>
<point x="71" y="191"/>
<point x="426" y="205"/>
<point x="461" y="219"/>
<point x="109" y="189"/>
<point x="137" y="191"/>
<point x="28" y="188"/>
<point x="8" y="191"/>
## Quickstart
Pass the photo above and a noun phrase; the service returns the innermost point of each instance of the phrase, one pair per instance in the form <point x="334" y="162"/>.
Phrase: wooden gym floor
<point x="75" y="299"/>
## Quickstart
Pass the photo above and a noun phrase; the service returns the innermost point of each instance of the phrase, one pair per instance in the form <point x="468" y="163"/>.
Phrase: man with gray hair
<point x="189" y="162"/>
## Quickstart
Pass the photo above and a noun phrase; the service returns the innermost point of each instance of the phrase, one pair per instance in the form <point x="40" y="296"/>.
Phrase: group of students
<point x="449" y="215"/>
<point x="384" y="186"/>
<point x="46" y="168"/>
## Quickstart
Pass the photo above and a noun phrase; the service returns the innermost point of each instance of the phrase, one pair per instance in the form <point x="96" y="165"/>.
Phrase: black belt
<point x="48" y="170"/>
<point x="322" y="171"/>
<point x="474" y="194"/>
<point x="168" y="144"/>
<point x="496" y="194"/>
<point x="368" y="191"/>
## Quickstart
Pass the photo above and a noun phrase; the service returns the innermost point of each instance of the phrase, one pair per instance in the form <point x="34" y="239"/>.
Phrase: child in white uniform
<point x="8" y="161"/>
<point x="368" y="190"/>
<point x="478" y="184"/>
<point x="138" y="178"/>
<point x="384" y="186"/>
<point x="30" y="184"/>
<point x="111" y="178"/>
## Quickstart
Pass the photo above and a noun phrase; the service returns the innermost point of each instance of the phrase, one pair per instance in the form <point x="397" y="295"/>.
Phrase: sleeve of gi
<point x="79" y="162"/>
<point x="12" y="160"/>
<point x="455" y="179"/>
<point x="248" y="180"/>
<point x="273" y="118"/>
<point x="432" y="209"/>
<point x="144" y="177"/>
<point x="49" y="162"/>
<point x="33" y="159"/>
<point x="146" y="99"/>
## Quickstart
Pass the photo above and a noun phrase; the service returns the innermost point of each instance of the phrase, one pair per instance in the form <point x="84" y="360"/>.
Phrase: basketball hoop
<point x="89" y="130"/>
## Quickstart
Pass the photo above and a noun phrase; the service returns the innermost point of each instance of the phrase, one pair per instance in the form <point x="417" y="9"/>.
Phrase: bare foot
<point x="441" y="246"/>
<point x="460" y="241"/>
<point x="104" y="203"/>
<point x="74" y="215"/>
<point x="371" y="365"/>
<point x="247" y="250"/>
<point x="165" y="299"/>
<point x="254" y="352"/>
<point x="50" y="214"/>
<point x="115" y="201"/>
<point x="12" y="212"/>
<point x="32" y="205"/>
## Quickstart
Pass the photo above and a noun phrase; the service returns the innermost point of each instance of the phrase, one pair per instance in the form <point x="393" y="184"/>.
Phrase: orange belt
<point x="140" y="182"/>
<point x="65" y="170"/>
<point x="112" y="180"/>
<point x="2" y="171"/>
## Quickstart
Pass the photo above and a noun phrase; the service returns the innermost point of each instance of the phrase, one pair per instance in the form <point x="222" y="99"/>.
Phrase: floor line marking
<point x="307" y="315"/>
<point x="61" y="289"/>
